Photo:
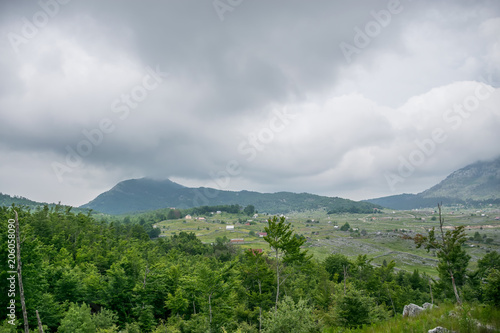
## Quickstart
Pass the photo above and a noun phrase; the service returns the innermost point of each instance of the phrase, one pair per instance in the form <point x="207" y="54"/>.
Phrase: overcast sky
<point x="357" y="99"/>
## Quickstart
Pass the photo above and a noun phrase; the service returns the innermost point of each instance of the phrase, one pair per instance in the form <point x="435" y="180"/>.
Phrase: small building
<point x="237" y="240"/>
<point x="255" y="216"/>
<point x="262" y="234"/>
<point x="200" y="218"/>
<point x="188" y="217"/>
<point x="229" y="227"/>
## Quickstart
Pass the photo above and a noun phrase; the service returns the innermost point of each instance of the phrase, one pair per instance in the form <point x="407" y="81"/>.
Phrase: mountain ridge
<point x="475" y="184"/>
<point x="145" y="194"/>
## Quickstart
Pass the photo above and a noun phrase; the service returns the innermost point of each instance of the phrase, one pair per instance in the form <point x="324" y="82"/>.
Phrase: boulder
<point x="429" y="306"/>
<point x="411" y="310"/>
<point x="438" y="329"/>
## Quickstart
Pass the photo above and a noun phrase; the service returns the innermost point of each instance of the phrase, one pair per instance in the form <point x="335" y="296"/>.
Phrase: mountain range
<point x="145" y="194"/>
<point x="475" y="184"/>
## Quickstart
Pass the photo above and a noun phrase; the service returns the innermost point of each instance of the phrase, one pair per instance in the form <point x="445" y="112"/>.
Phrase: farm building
<point x="237" y="240"/>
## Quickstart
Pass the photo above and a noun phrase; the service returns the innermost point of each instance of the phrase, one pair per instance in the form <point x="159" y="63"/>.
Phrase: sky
<point x="352" y="99"/>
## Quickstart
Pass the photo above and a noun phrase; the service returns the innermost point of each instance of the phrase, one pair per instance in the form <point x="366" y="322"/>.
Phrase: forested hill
<point x="86" y="275"/>
<point x="145" y="194"/>
<point x="475" y="184"/>
<point x="7" y="200"/>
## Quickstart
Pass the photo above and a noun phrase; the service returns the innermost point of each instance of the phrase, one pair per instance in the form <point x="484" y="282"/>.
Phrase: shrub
<point x="77" y="320"/>
<point x="290" y="317"/>
<point x="345" y="227"/>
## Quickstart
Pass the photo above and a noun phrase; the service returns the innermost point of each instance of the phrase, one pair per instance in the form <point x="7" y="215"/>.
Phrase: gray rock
<point x="429" y="306"/>
<point x="411" y="310"/>
<point x="438" y="329"/>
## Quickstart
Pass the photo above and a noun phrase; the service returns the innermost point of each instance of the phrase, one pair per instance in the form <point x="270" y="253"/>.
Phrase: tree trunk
<point x="260" y="307"/>
<point x="210" y="309"/>
<point x="455" y="288"/>
<point x="277" y="280"/>
<point x="393" y="307"/>
<point x="145" y="277"/>
<point x="40" y="327"/>
<point x="430" y="288"/>
<point x="345" y="277"/>
<point x="20" y="276"/>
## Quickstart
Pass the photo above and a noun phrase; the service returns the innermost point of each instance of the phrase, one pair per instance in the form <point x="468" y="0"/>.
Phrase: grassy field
<point x="468" y="318"/>
<point x="385" y="236"/>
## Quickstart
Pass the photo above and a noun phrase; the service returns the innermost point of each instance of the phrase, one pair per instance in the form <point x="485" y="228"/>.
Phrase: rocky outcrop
<point x="411" y="310"/>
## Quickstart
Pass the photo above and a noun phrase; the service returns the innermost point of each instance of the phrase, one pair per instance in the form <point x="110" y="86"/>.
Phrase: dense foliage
<point x="83" y="274"/>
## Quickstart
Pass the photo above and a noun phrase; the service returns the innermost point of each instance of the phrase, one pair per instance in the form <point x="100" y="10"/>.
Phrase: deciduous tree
<point x="453" y="259"/>
<point x="286" y="247"/>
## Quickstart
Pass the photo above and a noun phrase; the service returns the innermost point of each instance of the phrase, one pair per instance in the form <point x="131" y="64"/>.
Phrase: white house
<point x="229" y="227"/>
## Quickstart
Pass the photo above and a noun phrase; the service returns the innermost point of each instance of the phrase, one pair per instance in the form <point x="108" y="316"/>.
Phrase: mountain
<point x="477" y="183"/>
<point x="136" y="195"/>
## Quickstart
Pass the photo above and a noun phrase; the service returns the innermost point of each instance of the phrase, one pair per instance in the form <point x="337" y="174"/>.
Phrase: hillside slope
<point x="8" y="200"/>
<point x="478" y="181"/>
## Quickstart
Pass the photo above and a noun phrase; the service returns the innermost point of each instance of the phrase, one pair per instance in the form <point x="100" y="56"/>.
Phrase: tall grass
<point x="471" y="318"/>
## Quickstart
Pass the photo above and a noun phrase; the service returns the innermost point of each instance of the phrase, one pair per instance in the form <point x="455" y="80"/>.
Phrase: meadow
<point x="381" y="236"/>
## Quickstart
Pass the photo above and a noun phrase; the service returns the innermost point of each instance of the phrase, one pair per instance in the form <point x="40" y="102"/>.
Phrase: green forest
<point x="91" y="273"/>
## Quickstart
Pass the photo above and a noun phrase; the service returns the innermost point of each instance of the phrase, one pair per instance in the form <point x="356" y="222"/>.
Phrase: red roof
<point x="237" y="240"/>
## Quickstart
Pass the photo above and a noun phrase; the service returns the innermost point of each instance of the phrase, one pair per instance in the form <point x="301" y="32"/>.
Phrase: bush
<point x="492" y="287"/>
<point x="77" y="320"/>
<point x="105" y="319"/>
<point x="290" y="317"/>
<point x="355" y="309"/>
<point x="345" y="227"/>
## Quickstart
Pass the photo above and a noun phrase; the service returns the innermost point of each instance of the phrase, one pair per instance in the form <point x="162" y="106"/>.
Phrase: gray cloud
<point x="231" y="84"/>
